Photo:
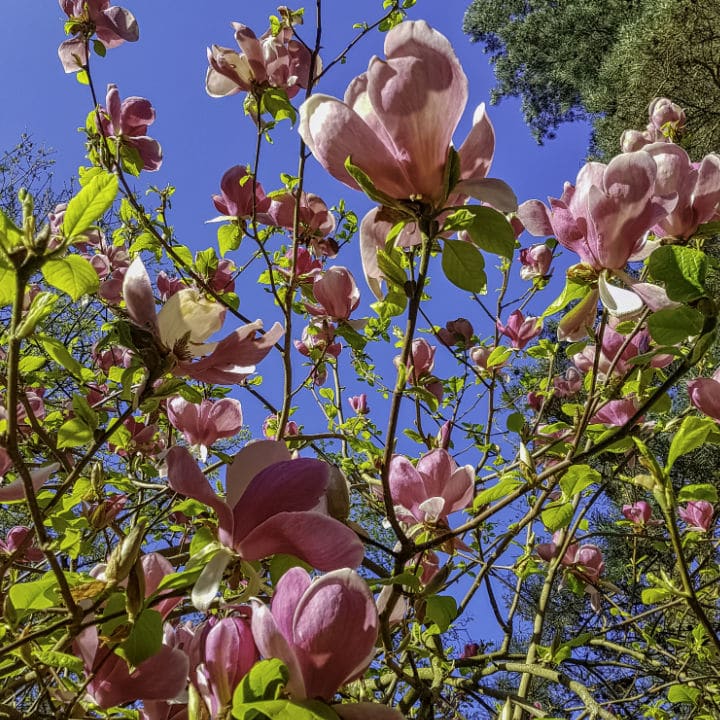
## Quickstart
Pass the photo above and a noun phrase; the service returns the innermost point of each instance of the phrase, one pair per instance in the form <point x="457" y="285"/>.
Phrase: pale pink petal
<point x="490" y="191"/>
<point x="476" y="153"/>
<point x="138" y="295"/>
<point x="16" y="490"/>
<point x="73" y="54"/>
<point x="536" y="218"/>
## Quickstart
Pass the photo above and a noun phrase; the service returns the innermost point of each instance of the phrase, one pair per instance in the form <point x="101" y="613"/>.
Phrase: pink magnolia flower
<point x="359" y="404"/>
<point x="431" y="491"/>
<point x="111" y="24"/>
<point x="101" y="514"/>
<point x="698" y="514"/>
<point x="663" y="112"/>
<point x="228" y="653"/>
<point x="167" y="286"/>
<point x="616" y="412"/>
<point x="421" y="360"/>
<point x="568" y="384"/>
<point x="273" y="505"/>
<point x="269" y="427"/>
<point x="206" y="423"/>
<point x="456" y="332"/>
<point x="273" y="60"/>
<point x="20" y="540"/>
<point x="223" y="278"/>
<point x="639" y="512"/>
<point x="306" y="266"/>
<point x="705" y="395"/>
<point x="161" y="677"/>
<point x="697" y="187"/>
<point x="336" y="293"/>
<point x="236" y="195"/>
<point x="127" y="122"/>
<point x="520" y="329"/>
<point x="397" y="120"/>
<point x="324" y="630"/>
<point x="183" y="325"/>
<point x="320" y="337"/>
<point x="586" y="561"/>
<point x="314" y="218"/>
<point x="605" y="215"/>
<point x="535" y="261"/>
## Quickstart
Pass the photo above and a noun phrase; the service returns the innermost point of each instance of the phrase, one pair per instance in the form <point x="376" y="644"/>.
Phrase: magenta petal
<point x="249" y="462"/>
<point x="288" y="486"/>
<point x="161" y="677"/>
<point x="705" y="396"/>
<point x="149" y="150"/>
<point x="335" y="629"/>
<point x="406" y="485"/>
<point x="315" y="538"/>
<point x="366" y="711"/>
<point x="272" y="644"/>
<point x="288" y="592"/>
<point x="186" y="478"/>
<point x="435" y="467"/>
<point x="459" y="489"/>
<point x="155" y="568"/>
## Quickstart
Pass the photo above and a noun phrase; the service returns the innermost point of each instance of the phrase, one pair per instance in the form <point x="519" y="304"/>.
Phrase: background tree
<point x="605" y="62"/>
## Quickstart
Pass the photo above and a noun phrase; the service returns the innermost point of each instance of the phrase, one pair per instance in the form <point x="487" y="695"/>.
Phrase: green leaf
<point x="698" y="491"/>
<point x="464" y="266"/>
<point x="693" y="433"/>
<point x="7" y="286"/>
<point x="229" y="237"/>
<point x="577" y="478"/>
<point x="10" y="234"/>
<point x="571" y="291"/>
<point x="488" y="229"/>
<point x="41" y="306"/>
<point x="56" y="659"/>
<point x="74" y="433"/>
<point x="265" y="681"/>
<point x="73" y="275"/>
<point x="515" y="422"/>
<point x="672" y="326"/>
<point x="35" y="595"/>
<point x="498" y="491"/>
<point x="145" y="639"/>
<point x="366" y="184"/>
<point x="683" y="694"/>
<point x="285" y="710"/>
<point x="90" y="204"/>
<point x="652" y="596"/>
<point x="59" y="353"/>
<point x="557" y="516"/>
<point x="275" y="101"/>
<point x="681" y="269"/>
<point x="441" y="610"/>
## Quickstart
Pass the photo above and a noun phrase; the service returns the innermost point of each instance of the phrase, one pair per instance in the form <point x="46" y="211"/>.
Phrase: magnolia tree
<point x="394" y="545"/>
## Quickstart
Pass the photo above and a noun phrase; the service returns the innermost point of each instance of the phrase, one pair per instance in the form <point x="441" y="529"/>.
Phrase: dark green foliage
<point x="604" y="60"/>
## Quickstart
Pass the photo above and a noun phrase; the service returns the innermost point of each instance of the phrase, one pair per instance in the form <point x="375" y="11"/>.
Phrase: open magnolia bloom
<point x="396" y="124"/>
<point x="324" y="630"/>
<point x="273" y="505"/>
<point x="184" y="324"/>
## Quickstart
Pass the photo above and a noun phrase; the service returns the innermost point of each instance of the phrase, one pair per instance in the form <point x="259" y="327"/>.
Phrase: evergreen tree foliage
<point x="604" y="60"/>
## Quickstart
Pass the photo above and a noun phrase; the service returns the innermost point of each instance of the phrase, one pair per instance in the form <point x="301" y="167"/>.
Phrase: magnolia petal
<point x="705" y="396"/>
<point x="187" y="314"/>
<point x="208" y="582"/>
<point x="315" y="538"/>
<point x="406" y="484"/>
<point x="459" y="490"/>
<point x="138" y="295"/>
<point x="16" y="490"/>
<point x="366" y="711"/>
<point x="335" y="627"/>
<point x="186" y="478"/>
<point x="373" y="231"/>
<point x="288" y="592"/>
<point x="536" y="218"/>
<point x="249" y="462"/>
<point x="476" y="153"/>
<point x="289" y="486"/>
<point x="272" y="644"/>
<point x="334" y="132"/>
<point x="219" y="85"/>
<point x="491" y="191"/>
<point x="619" y="302"/>
<point x="433" y="509"/>
<point x="73" y="54"/>
<point x="120" y="26"/>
